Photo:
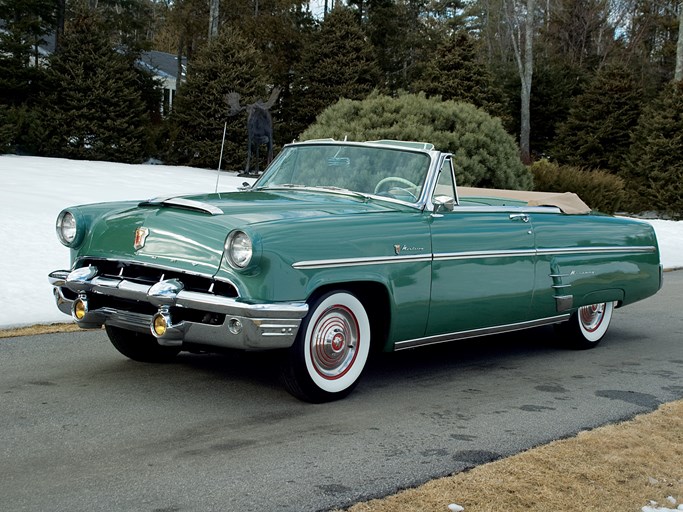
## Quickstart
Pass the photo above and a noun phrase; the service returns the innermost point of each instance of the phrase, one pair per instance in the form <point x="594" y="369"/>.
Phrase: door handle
<point x="519" y="216"/>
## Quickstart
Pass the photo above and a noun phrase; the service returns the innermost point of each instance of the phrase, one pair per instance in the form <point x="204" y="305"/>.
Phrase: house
<point x="164" y="68"/>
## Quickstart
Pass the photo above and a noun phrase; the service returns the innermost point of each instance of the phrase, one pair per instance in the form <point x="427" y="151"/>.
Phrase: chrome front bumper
<point x="245" y="326"/>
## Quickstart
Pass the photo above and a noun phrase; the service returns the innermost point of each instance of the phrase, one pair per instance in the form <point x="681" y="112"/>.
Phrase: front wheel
<point x="587" y="326"/>
<point x="330" y="350"/>
<point x="139" y="346"/>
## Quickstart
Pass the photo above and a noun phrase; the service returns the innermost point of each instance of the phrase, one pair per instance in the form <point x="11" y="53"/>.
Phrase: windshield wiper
<point x="331" y="188"/>
<point x="345" y="191"/>
<point x="280" y="185"/>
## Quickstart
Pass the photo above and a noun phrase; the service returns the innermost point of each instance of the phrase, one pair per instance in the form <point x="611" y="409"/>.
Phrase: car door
<point x="483" y="265"/>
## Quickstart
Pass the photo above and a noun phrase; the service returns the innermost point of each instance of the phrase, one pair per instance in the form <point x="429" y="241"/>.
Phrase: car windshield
<point x="389" y="172"/>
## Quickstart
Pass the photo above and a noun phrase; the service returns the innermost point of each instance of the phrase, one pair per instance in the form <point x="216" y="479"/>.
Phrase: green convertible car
<point x="340" y="248"/>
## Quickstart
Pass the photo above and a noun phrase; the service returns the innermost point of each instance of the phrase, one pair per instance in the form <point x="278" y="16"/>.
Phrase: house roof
<point x="161" y="63"/>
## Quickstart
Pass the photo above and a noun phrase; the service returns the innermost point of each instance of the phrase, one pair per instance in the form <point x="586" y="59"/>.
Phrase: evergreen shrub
<point x="6" y="129"/>
<point x="17" y="127"/>
<point x="484" y="154"/>
<point x="599" y="189"/>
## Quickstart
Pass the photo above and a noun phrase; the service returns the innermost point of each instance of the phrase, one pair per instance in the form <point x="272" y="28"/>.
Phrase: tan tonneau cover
<point x="568" y="202"/>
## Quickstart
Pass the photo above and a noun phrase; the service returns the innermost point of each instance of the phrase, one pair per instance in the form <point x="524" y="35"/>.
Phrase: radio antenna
<point x="220" y="160"/>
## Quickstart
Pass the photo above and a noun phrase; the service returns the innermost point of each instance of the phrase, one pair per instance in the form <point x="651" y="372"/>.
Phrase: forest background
<point x="589" y="91"/>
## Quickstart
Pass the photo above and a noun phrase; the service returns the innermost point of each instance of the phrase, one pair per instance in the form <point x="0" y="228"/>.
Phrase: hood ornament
<point x="141" y="235"/>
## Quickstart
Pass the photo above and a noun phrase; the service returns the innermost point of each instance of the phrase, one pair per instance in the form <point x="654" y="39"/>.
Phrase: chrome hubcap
<point x="334" y="342"/>
<point x="591" y="316"/>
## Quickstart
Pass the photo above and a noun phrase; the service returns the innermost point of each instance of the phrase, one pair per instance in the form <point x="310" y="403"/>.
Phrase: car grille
<point x="143" y="274"/>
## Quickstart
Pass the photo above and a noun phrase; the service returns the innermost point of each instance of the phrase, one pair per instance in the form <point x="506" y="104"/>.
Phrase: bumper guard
<point x="246" y="326"/>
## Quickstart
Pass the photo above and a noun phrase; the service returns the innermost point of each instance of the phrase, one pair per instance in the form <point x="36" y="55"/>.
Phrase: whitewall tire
<point x="587" y="326"/>
<point x="331" y="349"/>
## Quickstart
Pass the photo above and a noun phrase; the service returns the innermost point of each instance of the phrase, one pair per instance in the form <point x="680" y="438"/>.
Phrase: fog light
<point x="235" y="326"/>
<point x="79" y="308"/>
<point x="160" y="324"/>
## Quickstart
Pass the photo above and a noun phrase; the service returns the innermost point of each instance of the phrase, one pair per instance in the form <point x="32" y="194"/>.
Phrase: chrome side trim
<point x="472" y="255"/>
<point x="475" y="333"/>
<point x="354" y="262"/>
<point x="511" y="209"/>
<point x="597" y="250"/>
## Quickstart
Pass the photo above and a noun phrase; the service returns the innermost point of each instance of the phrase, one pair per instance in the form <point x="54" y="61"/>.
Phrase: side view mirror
<point x="443" y="204"/>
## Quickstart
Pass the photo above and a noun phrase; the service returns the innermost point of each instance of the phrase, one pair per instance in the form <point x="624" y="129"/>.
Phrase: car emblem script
<point x="397" y="249"/>
<point x="140" y="237"/>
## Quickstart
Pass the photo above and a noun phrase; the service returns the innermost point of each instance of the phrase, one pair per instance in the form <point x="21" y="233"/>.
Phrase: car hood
<point x="189" y="232"/>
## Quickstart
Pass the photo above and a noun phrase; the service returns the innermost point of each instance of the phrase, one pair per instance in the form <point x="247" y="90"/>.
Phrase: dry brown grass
<point x="613" y="468"/>
<point x="38" y="329"/>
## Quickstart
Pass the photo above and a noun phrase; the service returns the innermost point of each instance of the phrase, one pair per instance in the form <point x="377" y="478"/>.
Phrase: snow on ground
<point x="34" y="190"/>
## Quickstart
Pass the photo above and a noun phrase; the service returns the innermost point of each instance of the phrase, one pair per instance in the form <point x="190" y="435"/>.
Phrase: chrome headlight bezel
<point x="69" y="228"/>
<point x="239" y="249"/>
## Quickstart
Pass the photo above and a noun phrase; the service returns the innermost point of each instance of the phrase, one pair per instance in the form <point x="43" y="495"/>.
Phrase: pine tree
<point x="94" y="106"/>
<point x="229" y="63"/>
<point x="337" y="63"/>
<point x="24" y="25"/>
<point x="555" y="86"/>
<point x="279" y="33"/>
<point x="403" y="37"/>
<point x="597" y="132"/>
<point x="456" y="73"/>
<point x="655" y="163"/>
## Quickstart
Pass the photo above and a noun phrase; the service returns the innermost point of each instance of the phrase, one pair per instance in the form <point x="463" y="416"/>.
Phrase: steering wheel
<point x="397" y="179"/>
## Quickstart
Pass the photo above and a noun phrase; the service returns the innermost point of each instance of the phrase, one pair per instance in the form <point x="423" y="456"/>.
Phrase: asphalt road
<point x="84" y="429"/>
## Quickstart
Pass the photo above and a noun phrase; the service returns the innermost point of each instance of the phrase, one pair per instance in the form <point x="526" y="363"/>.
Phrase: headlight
<point x="239" y="249"/>
<point x="67" y="228"/>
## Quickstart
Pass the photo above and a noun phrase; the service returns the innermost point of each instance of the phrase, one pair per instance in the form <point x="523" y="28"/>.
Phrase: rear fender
<point x="600" y="296"/>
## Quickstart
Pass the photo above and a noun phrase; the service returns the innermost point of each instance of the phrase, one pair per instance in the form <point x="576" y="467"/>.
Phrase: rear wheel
<point x="587" y="326"/>
<point x="330" y="350"/>
<point x="139" y="346"/>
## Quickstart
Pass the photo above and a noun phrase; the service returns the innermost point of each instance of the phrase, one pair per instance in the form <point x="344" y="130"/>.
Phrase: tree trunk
<point x="678" y="76"/>
<point x="525" y="130"/>
<point x="525" y="65"/>
<point x="59" y="33"/>
<point x="213" y="18"/>
<point x="179" y="56"/>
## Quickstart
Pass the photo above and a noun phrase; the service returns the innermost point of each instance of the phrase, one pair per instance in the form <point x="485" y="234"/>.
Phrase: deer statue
<point x="259" y="124"/>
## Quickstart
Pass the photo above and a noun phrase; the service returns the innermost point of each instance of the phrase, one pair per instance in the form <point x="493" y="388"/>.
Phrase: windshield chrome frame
<point x="423" y="200"/>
